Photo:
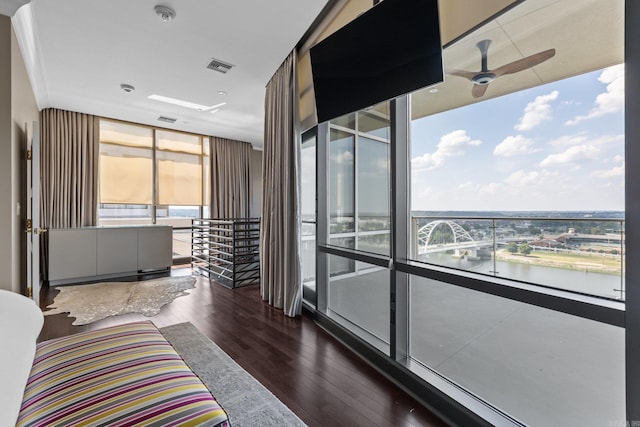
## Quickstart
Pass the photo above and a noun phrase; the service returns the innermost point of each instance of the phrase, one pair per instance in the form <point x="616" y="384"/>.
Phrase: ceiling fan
<point x="482" y="78"/>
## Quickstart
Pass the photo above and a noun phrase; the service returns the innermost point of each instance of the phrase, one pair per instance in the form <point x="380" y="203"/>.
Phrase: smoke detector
<point x="127" y="88"/>
<point x="165" y="13"/>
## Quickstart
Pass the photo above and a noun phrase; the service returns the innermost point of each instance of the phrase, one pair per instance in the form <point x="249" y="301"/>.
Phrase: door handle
<point x="29" y="228"/>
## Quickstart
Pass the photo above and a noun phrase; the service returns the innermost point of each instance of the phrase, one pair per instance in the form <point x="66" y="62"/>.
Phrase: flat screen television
<point x="392" y="49"/>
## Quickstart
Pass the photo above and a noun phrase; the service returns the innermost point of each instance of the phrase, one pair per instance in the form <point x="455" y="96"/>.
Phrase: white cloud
<point x="345" y="157"/>
<point x="579" y="148"/>
<point x="513" y="146"/>
<point x="618" y="158"/>
<point x="427" y="162"/>
<point x="583" y="139"/>
<point x="537" y="111"/>
<point x="468" y="186"/>
<point x="524" y="179"/>
<point x="609" y="173"/>
<point x="454" y="143"/>
<point x="450" y="145"/>
<point x="572" y="156"/>
<point x="611" y="101"/>
<point x="491" y="188"/>
<point x="569" y="140"/>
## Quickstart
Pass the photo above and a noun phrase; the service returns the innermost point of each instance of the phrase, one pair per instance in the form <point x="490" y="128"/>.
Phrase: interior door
<point x="33" y="212"/>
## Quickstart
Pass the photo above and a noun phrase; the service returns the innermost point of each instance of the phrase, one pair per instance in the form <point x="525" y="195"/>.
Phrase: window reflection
<point x="541" y="366"/>
<point x="341" y="182"/>
<point x="360" y="301"/>
<point x="359" y="193"/>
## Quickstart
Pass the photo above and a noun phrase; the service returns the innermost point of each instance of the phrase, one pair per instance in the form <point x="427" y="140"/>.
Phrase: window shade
<point x="179" y="142"/>
<point x="179" y="179"/>
<point x="125" y="134"/>
<point x="125" y="180"/>
<point x="126" y="169"/>
<point x="126" y="166"/>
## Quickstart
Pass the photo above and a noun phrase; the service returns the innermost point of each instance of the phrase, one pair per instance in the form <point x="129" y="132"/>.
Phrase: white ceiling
<point x="9" y="7"/>
<point x="78" y="52"/>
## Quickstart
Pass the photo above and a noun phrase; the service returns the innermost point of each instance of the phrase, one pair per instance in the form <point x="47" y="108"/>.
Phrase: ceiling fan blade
<point x="478" y="90"/>
<point x="524" y="63"/>
<point x="462" y="73"/>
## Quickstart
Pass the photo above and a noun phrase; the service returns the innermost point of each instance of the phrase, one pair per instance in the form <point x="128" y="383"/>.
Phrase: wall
<point x="17" y="107"/>
<point x="256" y="184"/>
<point x="6" y="158"/>
<point x="24" y="111"/>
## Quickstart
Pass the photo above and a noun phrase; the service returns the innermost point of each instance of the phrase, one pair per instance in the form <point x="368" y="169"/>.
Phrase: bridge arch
<point x="459" y="233"/>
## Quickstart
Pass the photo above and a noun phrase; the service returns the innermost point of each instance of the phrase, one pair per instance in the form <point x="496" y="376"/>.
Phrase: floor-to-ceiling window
<point x="483" y="250"/>
<point x="152" y="176"/>
<point x="522" y="178"/>
<point x="358" y="196"/>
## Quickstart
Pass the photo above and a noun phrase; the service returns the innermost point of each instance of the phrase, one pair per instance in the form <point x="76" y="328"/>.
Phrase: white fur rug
<point x="88" y="303"/>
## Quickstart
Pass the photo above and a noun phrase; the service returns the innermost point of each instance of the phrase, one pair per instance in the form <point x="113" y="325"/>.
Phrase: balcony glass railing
<point x="581" y="255"/>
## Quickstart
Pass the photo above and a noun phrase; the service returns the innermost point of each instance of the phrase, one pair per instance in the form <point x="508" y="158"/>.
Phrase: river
<point x="593" y="283"/>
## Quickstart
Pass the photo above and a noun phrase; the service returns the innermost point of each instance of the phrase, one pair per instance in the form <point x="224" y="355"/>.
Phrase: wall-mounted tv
<point x="392" y="49"/>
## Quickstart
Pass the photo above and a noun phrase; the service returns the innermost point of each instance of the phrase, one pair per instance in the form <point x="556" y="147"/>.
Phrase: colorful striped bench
<point x="119" y="376"/>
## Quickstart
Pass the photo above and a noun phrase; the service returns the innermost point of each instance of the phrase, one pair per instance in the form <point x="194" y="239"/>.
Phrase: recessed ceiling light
<point x="127" y="88"/>
<point x="185" y="104"/>
<point x="222" y="93"/>
<point x="165" y="13"/>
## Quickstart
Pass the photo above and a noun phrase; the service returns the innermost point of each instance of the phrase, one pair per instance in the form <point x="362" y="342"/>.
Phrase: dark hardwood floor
<point x="314" y="375"/>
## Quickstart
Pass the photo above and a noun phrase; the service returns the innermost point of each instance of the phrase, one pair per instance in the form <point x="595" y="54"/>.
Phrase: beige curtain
<point x="281" y="282"/>
<point x="69" y="147"/>
<point x="230" y="178"/>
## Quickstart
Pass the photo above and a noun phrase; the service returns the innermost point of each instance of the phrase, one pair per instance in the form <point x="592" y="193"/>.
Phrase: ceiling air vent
<point x="167" y="119"/>
<point x="217" y="65"/>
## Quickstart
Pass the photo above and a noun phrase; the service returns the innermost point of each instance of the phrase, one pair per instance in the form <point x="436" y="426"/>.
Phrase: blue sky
<point x="558" y="146"/>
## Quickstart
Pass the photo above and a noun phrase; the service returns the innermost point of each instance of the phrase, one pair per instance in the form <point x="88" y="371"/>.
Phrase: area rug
<point x="89" y="303"/>
<point x="247" y="402"/>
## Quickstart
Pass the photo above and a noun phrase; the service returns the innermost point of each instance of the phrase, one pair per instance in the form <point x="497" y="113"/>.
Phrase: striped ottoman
<point x="119" y="376"/>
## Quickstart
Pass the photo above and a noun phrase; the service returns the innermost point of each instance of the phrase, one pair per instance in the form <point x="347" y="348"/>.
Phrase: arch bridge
<point x="462" y="245"/>
<point x="460" y="235"/>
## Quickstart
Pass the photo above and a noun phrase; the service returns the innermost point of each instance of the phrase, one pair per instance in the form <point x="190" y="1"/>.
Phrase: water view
<point x="577" y="251"/>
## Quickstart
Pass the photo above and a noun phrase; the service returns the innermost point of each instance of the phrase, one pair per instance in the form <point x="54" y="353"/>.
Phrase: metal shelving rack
<point x="226" y="250"/>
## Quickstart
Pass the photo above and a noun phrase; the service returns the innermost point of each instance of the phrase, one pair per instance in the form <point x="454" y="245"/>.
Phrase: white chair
<point x="20" y="324"/>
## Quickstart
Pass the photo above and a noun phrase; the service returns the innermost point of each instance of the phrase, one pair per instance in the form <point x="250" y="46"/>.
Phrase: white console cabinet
<point x="95" y="253"/>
